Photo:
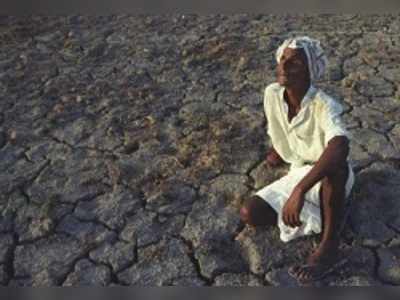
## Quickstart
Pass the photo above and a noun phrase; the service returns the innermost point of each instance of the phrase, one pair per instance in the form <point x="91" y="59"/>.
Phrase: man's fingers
<point x="294" y="221"/>
<point x="291" y="220"/>
<point x="287" y="217"/>
<point x="284" y="217"/>
<point x="297" y="220"/>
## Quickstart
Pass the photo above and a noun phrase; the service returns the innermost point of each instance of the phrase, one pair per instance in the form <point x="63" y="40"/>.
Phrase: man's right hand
<point x="273" y="158"/>
<point x="292" y="208"/>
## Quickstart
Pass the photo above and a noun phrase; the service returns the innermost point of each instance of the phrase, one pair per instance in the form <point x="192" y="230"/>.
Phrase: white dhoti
<point x="278" y="192"/>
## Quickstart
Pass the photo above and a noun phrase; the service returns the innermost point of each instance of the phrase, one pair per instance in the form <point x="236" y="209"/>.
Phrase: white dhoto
<point x="301" y="143"/>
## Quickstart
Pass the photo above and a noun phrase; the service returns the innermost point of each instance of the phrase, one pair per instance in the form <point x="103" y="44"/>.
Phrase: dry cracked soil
<point x="128" y="143"/>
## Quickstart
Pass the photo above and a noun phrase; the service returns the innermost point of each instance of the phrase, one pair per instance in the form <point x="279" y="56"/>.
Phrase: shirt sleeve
<point x="332" y="123"/>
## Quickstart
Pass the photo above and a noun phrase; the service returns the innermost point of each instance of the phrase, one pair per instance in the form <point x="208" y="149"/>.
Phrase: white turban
<point x="317" y="60"/>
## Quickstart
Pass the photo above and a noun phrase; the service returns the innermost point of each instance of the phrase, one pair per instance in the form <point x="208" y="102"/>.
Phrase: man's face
<point x="292" y="69"/>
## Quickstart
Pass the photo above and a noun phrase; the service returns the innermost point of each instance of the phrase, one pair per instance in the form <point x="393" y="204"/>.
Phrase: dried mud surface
<point x="128" y="144"/>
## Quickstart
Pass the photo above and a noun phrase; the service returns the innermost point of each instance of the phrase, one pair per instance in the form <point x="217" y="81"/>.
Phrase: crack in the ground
<point x="130" y="264"/>
<point x="25" y="156"/>
<point x="74" y="147"/>
<point x="51" y="232"/>
<point x="191" y="250"/>
<point x="71" y="267"/>
<point x="193" y="74"/>
<point x="390" y="226"/>
<point x="99" y="222"/>
<point x="25" y="195"/>
<point x="10" y="258"/>
<point x="376" y="267"/>
<point x="34" y="240"/>
<point x="191" y="254"/>
<point x="254" y="166"/>
<point x="29" y="181"/>
<point x="113" y="277"/>
<point x="359" y="169"/>
<point x="388" y="139"/>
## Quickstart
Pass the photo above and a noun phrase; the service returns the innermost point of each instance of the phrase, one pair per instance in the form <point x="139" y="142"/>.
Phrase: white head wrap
<point x="317" y="60"/>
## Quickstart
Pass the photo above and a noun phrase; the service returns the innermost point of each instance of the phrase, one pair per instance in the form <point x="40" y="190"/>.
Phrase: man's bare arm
<point x="334" y="156"/>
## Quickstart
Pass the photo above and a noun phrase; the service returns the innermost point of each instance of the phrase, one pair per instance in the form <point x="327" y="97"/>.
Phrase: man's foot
<point x="273" y="158"/>
<point x="323" y="261"/>
<point x="313" y="273"/>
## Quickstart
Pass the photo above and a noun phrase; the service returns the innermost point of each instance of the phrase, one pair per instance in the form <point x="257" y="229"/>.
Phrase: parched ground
<point x="128" y="143"/>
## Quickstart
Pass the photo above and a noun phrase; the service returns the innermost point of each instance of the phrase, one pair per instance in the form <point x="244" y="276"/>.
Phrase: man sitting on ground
<point x="305" y="129"/>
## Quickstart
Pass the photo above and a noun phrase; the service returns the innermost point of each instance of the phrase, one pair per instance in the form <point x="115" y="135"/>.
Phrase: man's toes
<point x="310" y="273"/>
<point x="304" y="275"/>
<point x="294" y="270"/>
<point x="301" y="274"/>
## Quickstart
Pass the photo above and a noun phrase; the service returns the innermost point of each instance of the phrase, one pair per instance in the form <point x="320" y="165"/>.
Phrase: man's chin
<point x="283" y="83"/>
<point x="282" y="80"/>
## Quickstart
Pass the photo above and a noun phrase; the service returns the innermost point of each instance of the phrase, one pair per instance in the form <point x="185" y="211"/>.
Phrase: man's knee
<point x="255" y="211"/>
<point x="247" y="211"/>
<point x="245" y="214"/>
<point x="339" y="173"/>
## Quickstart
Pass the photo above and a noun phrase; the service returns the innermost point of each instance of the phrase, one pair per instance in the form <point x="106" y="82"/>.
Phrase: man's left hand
<point x="292" y="208"/>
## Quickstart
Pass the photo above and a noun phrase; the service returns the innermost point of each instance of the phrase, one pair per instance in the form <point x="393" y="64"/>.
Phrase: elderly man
<point x="306" y="131"/>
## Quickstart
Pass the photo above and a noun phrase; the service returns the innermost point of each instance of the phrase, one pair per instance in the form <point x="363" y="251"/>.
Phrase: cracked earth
<point x="128" y="144"/>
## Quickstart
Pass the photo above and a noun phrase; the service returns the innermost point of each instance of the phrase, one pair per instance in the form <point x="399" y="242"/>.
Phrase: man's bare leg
<point x="332" y="212"/>
<point x="257" y="212"/>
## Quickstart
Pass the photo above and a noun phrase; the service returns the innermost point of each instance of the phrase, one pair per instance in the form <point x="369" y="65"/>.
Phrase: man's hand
<point x="292" y="208"/>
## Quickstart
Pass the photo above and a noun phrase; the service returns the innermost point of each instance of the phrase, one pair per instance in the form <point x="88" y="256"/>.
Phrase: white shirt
<point x="303" y="140"/>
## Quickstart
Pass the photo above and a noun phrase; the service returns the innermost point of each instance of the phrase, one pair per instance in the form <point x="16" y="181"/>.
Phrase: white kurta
<point x="301" y="143"/>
